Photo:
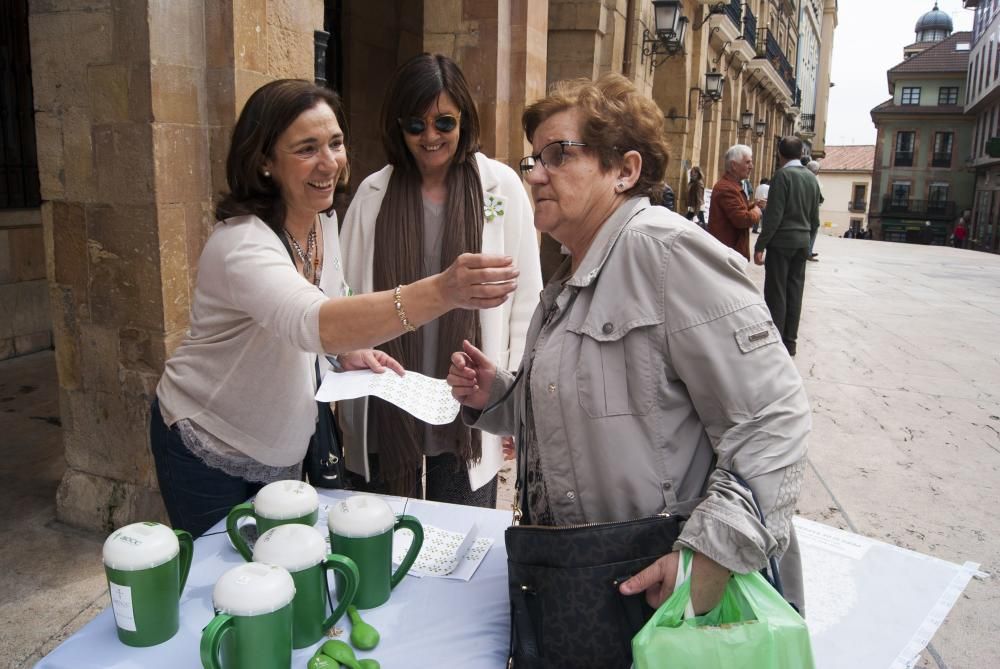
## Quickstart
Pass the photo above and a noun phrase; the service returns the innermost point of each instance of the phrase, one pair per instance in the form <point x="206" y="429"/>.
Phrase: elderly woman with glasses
<point x="652" y="368"/>
<point x="437" y="198"/>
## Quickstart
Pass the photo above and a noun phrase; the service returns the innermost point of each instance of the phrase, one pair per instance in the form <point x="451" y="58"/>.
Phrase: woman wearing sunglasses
<point x="437" y="198"/>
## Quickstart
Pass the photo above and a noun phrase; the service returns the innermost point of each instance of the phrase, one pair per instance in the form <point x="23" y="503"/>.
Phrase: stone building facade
<point x="134" y="101"/>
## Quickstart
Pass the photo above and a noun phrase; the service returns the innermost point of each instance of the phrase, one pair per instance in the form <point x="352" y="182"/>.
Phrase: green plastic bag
<point x="753" y="627"/>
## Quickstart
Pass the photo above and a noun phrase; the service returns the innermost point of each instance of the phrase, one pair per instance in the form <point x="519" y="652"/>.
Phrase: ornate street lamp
<point x="667" y="38"/>
<point x="760" y="128"/>
<point x="746" y="120"/>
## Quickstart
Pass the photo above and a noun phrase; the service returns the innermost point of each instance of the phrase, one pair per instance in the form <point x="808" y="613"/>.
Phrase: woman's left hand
<point x="708" y="582"/>
<point x="367" y="358"/>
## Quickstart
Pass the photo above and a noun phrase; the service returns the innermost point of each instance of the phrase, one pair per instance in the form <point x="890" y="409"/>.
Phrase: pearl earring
<point x="267" y="174"/>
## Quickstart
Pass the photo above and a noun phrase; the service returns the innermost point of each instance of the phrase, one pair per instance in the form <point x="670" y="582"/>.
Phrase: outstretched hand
<point x="708" y="582"/>
<point x="367" y="358"/>
<point x="478" y="281"/>
<point x="471" y="376"/>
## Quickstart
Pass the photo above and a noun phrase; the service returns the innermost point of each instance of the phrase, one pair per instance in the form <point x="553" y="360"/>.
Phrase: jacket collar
<point x="605" y="240"/>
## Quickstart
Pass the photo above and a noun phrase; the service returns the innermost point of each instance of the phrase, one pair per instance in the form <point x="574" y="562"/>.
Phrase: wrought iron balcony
<point x="808" y="122"/>
<point x="750" y="27"/>
<point x="768" y="48"/>
<point x="941" y="159"/>
<point x="903" y="159"/>
<point x="856" y="205"/>
<point x="927" y="209"/>
<point x="734" y="10"/>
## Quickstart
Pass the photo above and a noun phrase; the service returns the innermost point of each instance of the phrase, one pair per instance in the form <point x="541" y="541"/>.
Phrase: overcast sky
<point x="869" y="40"/>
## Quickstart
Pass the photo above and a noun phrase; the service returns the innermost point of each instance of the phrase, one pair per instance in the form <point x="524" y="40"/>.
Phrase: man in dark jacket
<point x="791" y="217"/>
<point x="730" y="213"/>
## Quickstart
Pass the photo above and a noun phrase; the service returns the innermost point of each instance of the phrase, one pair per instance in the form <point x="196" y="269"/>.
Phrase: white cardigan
<point x="245" y="370"/>
<point x="511" y="232"/>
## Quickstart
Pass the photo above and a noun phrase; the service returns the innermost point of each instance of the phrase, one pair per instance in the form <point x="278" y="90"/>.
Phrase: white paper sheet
<point x="421" y="396"/>
<point x="444" y="554"/>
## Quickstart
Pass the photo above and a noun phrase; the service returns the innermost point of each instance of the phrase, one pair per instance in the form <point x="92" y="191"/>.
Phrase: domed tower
<point x="934" y="26"/>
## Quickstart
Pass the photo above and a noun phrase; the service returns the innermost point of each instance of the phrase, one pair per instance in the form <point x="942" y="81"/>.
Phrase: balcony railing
<point x="767" y="47"/>
<point x="856" y="205"/>
<point x="903" y="159"/>
<point x="750" y="27"/>
<point x="918" y="208"/>
<point x="734" y="11"/>
<point x="808" y="122"/>
<point x="941" y="159"/>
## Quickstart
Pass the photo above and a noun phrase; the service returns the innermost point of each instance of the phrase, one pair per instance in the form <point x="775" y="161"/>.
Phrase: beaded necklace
<point x="309" y="257"/>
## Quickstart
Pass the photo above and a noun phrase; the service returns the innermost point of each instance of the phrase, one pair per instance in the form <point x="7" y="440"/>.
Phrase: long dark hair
<point x="269" y="112"/>
<point x="399" y="233"/>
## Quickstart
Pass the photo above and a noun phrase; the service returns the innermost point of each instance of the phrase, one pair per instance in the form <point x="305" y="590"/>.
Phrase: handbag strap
<point x="774" y="578"/>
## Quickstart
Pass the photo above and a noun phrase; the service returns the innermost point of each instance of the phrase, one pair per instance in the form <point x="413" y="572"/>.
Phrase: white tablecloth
<point x="870" y="605"/>
<point x="432" y="622"/>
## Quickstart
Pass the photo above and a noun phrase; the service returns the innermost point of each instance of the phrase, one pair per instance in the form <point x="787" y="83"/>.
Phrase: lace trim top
<point x="219" y="455"/>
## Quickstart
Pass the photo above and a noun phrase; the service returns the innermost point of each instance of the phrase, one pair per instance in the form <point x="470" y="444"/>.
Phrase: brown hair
<point x="790" y="147"/>
<point x="616" y="119"/>
<point x="266" y="115"/>
<point x="399" y="233"/>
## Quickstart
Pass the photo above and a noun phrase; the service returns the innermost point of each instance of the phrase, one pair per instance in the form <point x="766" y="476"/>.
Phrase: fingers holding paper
<point x="377" y="361"/>
<point x="471" y="376"/>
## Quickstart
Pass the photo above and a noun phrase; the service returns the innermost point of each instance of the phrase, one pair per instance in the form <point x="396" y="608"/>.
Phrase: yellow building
<point x="845" y="176"/>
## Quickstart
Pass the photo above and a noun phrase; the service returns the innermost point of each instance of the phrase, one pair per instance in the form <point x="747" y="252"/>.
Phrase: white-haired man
<point x="731" y="214"/>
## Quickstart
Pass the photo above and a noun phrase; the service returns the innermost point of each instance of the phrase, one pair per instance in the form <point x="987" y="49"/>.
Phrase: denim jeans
<point x="196" y="496"/>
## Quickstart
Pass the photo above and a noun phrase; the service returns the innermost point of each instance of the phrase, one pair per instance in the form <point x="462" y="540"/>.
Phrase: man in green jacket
<point x="792" y="215"/>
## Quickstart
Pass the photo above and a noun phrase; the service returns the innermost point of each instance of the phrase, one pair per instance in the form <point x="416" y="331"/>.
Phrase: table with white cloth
<point x="435" y="622"/>
<point x="870" y="604"/>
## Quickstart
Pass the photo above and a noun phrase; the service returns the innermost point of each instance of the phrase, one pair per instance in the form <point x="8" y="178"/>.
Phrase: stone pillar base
<point x="103" y="504"/>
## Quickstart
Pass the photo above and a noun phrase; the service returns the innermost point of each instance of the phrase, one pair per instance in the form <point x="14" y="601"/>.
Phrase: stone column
<point x="823" y="77"/>
<point x="134" y="103"/>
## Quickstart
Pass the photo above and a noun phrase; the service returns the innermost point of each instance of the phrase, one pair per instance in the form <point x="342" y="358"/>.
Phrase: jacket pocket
<point x="615" y="371"/>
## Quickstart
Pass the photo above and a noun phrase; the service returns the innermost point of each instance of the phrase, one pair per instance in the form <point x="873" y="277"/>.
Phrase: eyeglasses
<point x="414" y="125"/>
<point x="551" y="155"/>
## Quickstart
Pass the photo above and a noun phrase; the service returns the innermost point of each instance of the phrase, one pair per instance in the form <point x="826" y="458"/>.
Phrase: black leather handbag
<point x="323" y="466"/>
<point x="565" y="608"/>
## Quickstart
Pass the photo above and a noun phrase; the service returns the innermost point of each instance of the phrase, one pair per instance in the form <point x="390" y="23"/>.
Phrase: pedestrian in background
<point x="813" y="167"/>
<point x="696" y="196"/>
<point x="959" y="234"/>
<point x="761" y="196"/>
<point x="783" y="244"/>
<point x="730" y="213"/>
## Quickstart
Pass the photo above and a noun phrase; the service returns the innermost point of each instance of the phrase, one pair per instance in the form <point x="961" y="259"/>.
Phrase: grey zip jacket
<point x="650" y="367"/>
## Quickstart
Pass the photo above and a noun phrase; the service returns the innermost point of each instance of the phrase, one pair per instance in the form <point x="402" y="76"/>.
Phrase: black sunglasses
<point x="551" y="155"/>
<point x="414" y="125"/>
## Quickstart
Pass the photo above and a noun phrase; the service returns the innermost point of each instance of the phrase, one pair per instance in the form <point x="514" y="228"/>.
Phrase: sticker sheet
<point x="423" y="397"/>
<point x="443" y="554"/>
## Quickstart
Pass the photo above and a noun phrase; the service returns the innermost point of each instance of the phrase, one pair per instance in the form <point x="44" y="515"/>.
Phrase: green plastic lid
<point x="282" y="500"/>
<point x="140" y="546"/>
<point x="253" y="589"/>
<point x="294" y="547"/>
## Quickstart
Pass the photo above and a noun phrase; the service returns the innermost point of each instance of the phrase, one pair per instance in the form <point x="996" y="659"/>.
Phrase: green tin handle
<point x="349" y="570"/>
<point x="187" y="551"/>
<point x="237" y="512"/>
<point x="211" y="640"/>
<point x="412" y="524"/>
